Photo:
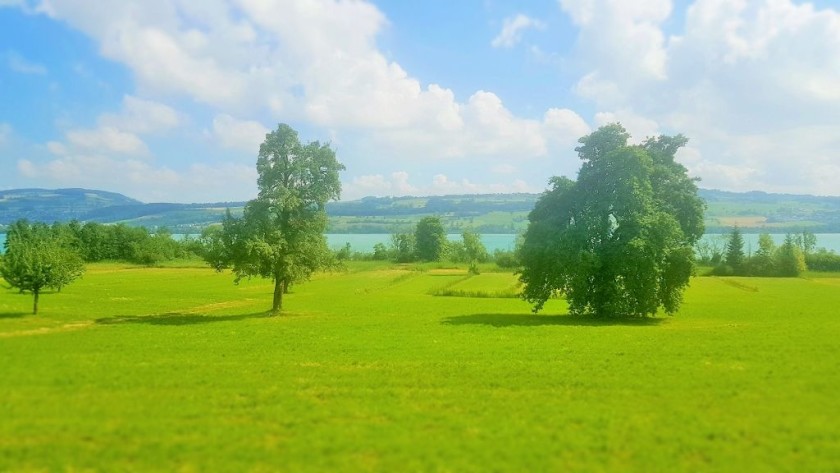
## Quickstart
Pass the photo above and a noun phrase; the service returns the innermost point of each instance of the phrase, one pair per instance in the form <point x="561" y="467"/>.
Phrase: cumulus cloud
<point x="143" y="180"/>
<point x="754" y="85"/>
<point x="107" y="139"/>
<point x="318" y="63"/>
<point x="512" y="30"/>
<point x="243" y="135"/>
<point x="142" y="116"/>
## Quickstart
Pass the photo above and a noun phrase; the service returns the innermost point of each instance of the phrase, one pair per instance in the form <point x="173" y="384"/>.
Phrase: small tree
<point x="763" y="263"/>
<point x="430" y="239"/>
<point x="474" y="250"/>
<point x="280" y="234"/>
<point x="36" y="258"/>
<point x="790" y="260"/>
<point x="402" y="247"/>
<point x="806" y="241"/>
<point x="735" y="251"/>
<point x="380" y="252"/>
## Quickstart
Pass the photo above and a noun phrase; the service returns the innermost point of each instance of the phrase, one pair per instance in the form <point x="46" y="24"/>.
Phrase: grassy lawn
<point x="177" y="369"/>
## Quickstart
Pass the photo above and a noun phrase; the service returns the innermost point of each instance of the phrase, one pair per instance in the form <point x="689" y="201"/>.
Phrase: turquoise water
<point x="365" y="242"/>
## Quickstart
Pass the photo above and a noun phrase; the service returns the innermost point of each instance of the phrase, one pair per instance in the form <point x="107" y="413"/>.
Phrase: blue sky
<point x="168" y="100"/>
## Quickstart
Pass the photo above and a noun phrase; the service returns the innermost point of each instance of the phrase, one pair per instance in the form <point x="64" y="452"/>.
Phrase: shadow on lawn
<point x="13" y="315"/>
<point x="175" y="318"/>
<point x="531" y="320"/>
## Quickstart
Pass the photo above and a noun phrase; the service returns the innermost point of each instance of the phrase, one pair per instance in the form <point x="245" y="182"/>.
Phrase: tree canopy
<point x="37" y="257"/>
<point x="430" y="239"/>
<point x="619" y="240"/>
<point x="280" y="234"/>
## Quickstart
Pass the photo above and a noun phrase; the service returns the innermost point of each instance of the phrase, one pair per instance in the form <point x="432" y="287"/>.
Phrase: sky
<point x="169" y="100"/>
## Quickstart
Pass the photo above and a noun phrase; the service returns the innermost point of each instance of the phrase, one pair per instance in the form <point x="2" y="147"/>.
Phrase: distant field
<point x="177" y="369"/>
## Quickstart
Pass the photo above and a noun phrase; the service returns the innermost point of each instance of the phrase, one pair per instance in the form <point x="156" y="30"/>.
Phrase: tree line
<point x="428" y="242"/>
<point x="796" y="254"/>
<point x="38" y="256"/>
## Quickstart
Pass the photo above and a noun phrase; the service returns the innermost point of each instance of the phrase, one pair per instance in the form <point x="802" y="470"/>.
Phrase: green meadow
<point x="413" y="368"/>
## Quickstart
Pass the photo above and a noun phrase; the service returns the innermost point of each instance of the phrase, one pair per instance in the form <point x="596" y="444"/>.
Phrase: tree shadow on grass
<point x="532" y="320"/>
<point x="13" y="315"/>
<point x="176" y="318"/>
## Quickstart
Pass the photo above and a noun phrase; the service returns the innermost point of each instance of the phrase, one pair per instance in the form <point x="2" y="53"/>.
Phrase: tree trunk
<point x="35" y="293"/>
<point x="279" y="285"/>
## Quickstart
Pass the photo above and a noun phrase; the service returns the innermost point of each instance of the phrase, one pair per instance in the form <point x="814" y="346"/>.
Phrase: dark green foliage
<point x="768" y="261"/>
<point x="790" y="260"/>
<point x="402" y="247"/>
<point x="735" y="251"/>
<point x="344" y="253"/>
<point x="97" y="242"/>
<point x="763" y="262"/>
<point x="280" y="234"/>
<point x="380" y="252"/>
<point x="37" y="257"/>
<point x="619" y="241"/>
<point x="474" y="250"/>
<point x="430" y="239"/>
<point x="823" y="260"/>
<point x="506" y="259"/>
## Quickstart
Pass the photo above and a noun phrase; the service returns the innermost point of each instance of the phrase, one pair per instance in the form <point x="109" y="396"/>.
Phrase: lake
<point x="364" y="242"/>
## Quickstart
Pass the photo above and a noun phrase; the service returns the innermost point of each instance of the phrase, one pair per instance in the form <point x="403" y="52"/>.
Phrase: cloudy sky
<point x="168" y="100"/>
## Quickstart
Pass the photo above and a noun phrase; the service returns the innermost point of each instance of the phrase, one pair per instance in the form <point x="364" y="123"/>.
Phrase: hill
<point x="49" y="205"/>
<point x="486" y="213"/>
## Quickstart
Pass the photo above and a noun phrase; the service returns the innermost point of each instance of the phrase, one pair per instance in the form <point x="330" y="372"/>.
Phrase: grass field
<point x="177" y="369"/>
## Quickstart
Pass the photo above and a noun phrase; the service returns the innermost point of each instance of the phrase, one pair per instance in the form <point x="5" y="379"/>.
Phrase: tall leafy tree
<point x="280" y="234"/>
<point x="430" y="239"/>
<point x="38" y="257"/>
<point x="619" y="240"/>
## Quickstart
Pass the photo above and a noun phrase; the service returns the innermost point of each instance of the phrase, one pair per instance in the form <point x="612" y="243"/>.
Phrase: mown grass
<point x="177" y="369"/>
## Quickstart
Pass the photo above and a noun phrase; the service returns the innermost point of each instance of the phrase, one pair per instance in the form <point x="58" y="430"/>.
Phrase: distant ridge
<point x="488" y="213"/>
<point x="48" y="205"/>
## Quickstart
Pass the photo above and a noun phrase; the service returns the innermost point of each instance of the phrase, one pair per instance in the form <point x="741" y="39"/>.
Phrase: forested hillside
<point x="487" y="213"/>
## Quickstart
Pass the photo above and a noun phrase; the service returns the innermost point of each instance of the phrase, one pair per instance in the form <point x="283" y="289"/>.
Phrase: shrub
<point x="823" y="260"/>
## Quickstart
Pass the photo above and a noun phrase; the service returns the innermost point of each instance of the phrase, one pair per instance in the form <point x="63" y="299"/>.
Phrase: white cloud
<point x="107" y="140"/>
<point x="142" y="180"/>
<point x="379" y="185"/>
<point x="755" y="85"/>
<point x="503" y="169"/>
<point x="638" y="126"/>
<point x="564" y="126"/>
<point x="243" y="135"/>
<point x="398" y="184"/>
<point x="142" y="116"/>
<point x="21" y="65"/>
<point x="317" y="63"/>
<point x="512" y="29"/>
<point x="622" y="39"/>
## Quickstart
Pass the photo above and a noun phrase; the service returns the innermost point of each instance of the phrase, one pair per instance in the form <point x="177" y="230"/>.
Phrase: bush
<point x="823" y="260"/>
<point x="506" y="259"/>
